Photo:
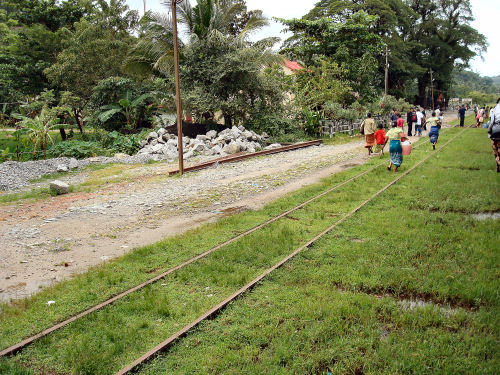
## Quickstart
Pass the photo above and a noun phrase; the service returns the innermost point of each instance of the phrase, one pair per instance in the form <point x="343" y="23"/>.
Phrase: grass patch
<point x="33" y="194"/>
<point x="468" y="121"/>
<point x="342" y="138"/>
<point x="299" y="322"/>
<point x="302" y="320"/>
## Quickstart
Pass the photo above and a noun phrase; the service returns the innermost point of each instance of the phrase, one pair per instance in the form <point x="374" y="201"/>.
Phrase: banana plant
<point x="130" y="109"/>
<point x="38" y="129"/>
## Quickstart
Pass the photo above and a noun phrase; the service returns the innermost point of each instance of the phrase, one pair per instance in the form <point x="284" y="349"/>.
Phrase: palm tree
<point x="213" y="18"/>
<point x="208" y="19"/>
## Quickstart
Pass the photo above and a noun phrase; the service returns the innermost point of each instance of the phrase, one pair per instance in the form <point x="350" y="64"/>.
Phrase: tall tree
<point x="96" y="49"/>
<point x="208" y="19"/>
<point x="350" y="44"/>
<point x="32" y="33"/>
<point x="220" y="69"/>
<point x="394" y="19"/>
<point x="445" y="40"/>
<point x="420" y="35"/>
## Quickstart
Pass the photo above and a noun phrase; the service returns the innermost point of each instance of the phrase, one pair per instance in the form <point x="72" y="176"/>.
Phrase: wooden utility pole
<point x="432" y="91"/>
<point x="386" y="69"/>
<point x="177" y="87"/>
<point x="144" y="2"/>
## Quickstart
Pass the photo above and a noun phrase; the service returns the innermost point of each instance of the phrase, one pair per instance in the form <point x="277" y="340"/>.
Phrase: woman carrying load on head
<point x="435" y="125"/>
<point x="394" y="136"/>
<point x="369" y="130"/>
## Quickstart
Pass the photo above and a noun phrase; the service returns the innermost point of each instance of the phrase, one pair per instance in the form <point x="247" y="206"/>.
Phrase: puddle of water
<point x="23" y="289"/>
<point x="487" y="215"/>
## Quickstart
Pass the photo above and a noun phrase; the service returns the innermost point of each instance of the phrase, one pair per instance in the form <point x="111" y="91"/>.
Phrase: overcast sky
<point x="486" y="12"/>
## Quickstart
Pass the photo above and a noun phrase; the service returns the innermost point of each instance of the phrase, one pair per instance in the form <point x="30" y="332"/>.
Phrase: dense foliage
<point x="95" y="66"/>
<point x="420" y="35"/>
<point x="465" y="82"/>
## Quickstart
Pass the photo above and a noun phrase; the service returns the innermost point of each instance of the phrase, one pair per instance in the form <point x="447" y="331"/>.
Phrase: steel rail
<point x="13" y="349"/>
<point x="216" y="309"/>
<point x="239" y="156"/>
<point x="22" y="344"/>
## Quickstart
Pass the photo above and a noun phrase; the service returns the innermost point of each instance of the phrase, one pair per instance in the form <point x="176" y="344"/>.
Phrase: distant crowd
<point x="417" y="120"/>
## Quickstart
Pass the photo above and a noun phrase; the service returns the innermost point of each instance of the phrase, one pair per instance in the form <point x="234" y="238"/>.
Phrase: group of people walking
<point x="375" y="140"/>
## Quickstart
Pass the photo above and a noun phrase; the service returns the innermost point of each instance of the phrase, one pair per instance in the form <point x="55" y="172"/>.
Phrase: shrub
<point x="274" y="124"/>
<point x="78" y="149"/>
<point x="118" y="103"/>
<point x="116" y="142"/>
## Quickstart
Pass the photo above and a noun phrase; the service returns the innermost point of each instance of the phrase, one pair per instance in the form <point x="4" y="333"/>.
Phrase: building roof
<point x="293" y="65"/>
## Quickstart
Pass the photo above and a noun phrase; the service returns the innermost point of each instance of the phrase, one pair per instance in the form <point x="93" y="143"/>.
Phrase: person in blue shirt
<point x="461" y="115"/>
<point x="394" y="116"/>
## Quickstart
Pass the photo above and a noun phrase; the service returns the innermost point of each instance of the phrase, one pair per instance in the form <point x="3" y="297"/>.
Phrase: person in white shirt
<point x="420" y="119"/>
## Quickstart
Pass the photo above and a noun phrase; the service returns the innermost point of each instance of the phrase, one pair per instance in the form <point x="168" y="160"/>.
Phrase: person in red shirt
<point x="401" y="121"/>
<point x="380" y="139"/>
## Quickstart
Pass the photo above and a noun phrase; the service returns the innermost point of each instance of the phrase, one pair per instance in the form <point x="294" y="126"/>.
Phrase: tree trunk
<point x="78" y="120"/>
<point x="63" y="134"/>
<point x="228" y="120"/>
<point x="422" y="83"/>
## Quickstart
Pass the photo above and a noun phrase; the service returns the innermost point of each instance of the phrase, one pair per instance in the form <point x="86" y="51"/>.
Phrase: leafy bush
<point x="118" y="103"/>
<point x="311" y="121"/>
<point x="99" y="143"/>
<point x="116" y="142"/>
<point x="78" y="149"/>
<point x="335" y="111"/>
<point x="274" y="124"/>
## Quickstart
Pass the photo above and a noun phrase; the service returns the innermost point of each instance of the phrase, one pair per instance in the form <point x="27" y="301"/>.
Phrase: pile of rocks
<point x="228" y="141"/>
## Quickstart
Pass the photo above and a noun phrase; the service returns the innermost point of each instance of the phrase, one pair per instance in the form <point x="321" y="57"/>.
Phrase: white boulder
<point x="62" y="168"/>
<point x="59" y="187"/>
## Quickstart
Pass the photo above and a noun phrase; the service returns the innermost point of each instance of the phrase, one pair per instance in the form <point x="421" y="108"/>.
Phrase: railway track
<point x="22" y="344"/>
<point x="163" y="346"/>
<point x="216" y="309"/>
<point x="242" y="156"/>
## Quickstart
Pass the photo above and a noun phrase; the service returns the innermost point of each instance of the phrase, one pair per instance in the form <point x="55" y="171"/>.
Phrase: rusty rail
<point x="22" y="344"/>
<point x="241" y="156"/>
<point x="216" y="309"/>
<point x="19" y="346"/>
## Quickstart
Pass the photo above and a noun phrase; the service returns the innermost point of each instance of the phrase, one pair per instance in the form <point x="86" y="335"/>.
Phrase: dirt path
<point x="46" y="241"/>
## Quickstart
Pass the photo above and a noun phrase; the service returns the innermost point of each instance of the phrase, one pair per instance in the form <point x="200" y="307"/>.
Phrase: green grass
<point x="333" y="307"/>
<point x="415" y="240"/>
<point x="33" y="194"/>
<point x="342" y="138"/>
<point x="468" y="121"/>
<point x="8" y="140"/>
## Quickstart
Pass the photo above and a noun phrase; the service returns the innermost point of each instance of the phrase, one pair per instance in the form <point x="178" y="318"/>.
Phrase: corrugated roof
<point x="293" y="65"/>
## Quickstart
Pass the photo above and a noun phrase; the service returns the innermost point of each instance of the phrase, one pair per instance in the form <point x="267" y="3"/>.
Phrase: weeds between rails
<point x="215" y="310"/>
<point x="304" y="202"/>
<point x="19" y="346"/>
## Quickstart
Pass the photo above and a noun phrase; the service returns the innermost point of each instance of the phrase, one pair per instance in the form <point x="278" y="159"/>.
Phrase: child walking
<point x="380" y="139"/>
<point x="400" y="122"/>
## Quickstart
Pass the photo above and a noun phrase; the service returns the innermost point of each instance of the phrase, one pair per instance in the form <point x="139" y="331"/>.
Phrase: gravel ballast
<point x="14" y="174"/>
